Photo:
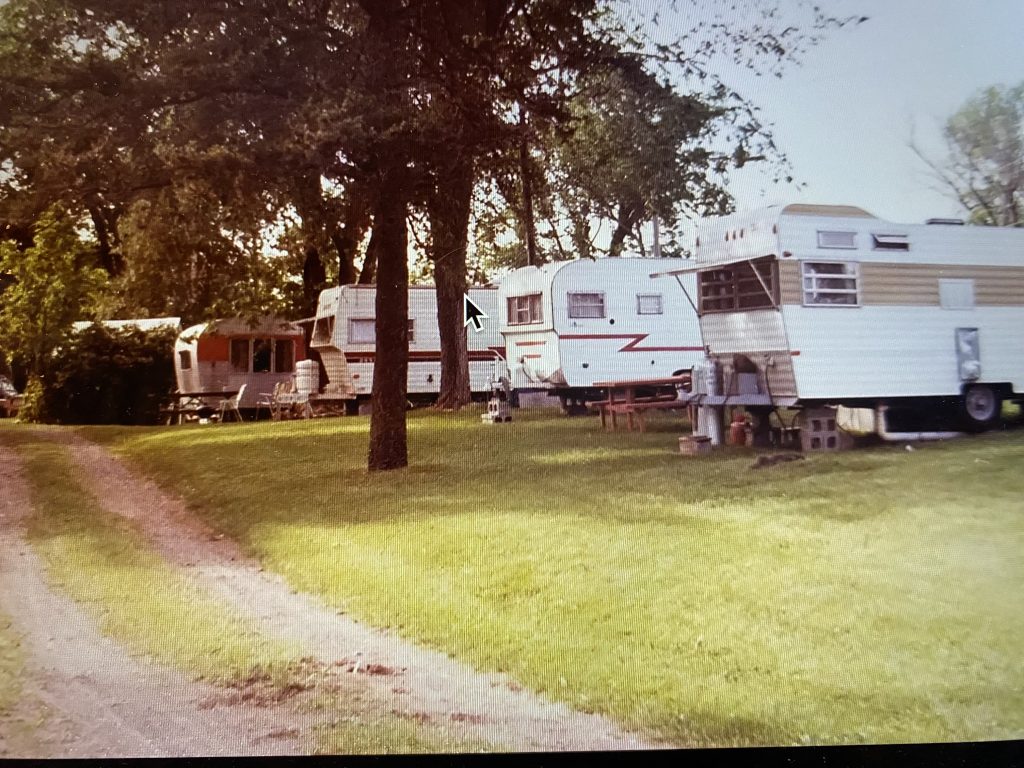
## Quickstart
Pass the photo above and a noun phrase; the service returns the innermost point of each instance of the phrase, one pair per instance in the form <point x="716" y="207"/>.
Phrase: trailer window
<point x="185" y="359"/>
<point x="284" y="356"/>
<point x="586" y="304"/>
<point x="323" y="330"/>
<point x="837" y="239"/>
<point x="261" y="349"/>
<point x="890" y="242"/>
<point x="240" y="355"/>
<point x="363" y="330"/>
<point x="830" y="283"/>
<point x="649" y="304"/>
<point x="738" y="287"/>
<point x="524" y="310"/>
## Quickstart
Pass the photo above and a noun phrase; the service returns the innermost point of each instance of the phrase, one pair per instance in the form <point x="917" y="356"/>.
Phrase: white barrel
<point x="307" y="377"/>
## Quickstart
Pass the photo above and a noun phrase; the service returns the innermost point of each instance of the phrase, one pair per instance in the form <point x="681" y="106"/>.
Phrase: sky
<point x="845" y="116"/>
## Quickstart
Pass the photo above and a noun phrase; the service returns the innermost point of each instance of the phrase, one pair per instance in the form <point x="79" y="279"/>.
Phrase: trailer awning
<point x="708" y="265"/>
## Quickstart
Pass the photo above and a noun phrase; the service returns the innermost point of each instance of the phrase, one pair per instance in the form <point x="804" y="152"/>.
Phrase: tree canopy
<point x="197" y="139"/>
<point x="984" y="167"/>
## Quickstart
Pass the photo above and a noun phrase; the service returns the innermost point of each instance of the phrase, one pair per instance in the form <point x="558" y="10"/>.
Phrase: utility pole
<point x="656" y="247"/>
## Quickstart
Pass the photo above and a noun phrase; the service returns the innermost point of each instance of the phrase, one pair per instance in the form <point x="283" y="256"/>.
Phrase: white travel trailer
<point x="570" y="324"/>
<point x="815" y="305"/>
<point x="344" y="336"/>
<point x="223" y="355"/>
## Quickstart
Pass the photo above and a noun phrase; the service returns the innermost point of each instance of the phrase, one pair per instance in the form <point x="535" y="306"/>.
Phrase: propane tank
<point x="738" y="429"/>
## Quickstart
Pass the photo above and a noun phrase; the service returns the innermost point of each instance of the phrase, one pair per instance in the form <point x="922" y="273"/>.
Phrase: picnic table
<point x="290" y="405"/>
<point x="184" y="404"/>
<point x="625" y="397"/>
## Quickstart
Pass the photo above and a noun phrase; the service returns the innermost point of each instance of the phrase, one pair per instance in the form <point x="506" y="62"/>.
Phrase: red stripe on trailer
<point x="475" y="356"/>
<point x="634" y="343"/>
<point x="530" y="343"/>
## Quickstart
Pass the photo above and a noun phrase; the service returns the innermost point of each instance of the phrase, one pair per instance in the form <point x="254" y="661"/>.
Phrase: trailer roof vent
<point x="890" y="242"/>
<point x="948" y="222"/>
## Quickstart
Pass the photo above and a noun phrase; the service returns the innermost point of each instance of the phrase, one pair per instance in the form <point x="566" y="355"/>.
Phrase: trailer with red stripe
<point x="570" y="324"/>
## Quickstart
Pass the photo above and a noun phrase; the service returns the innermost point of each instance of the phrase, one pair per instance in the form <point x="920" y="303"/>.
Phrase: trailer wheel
<point x="981" y="407"/>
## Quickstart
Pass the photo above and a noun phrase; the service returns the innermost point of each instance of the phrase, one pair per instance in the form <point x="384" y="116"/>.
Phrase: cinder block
<point x="819" y="431"/>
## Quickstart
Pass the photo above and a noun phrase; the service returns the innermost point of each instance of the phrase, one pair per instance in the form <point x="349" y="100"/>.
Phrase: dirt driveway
<point x="410" y="680"/>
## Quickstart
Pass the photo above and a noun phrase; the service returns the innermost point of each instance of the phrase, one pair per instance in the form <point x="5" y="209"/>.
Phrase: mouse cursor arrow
<point x="471" y="313"/>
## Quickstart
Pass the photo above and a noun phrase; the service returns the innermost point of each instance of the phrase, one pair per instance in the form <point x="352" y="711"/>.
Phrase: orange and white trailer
<point x="225" y="355"/>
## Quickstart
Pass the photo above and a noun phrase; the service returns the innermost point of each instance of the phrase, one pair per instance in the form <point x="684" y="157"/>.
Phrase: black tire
<point x="981" y="407"/>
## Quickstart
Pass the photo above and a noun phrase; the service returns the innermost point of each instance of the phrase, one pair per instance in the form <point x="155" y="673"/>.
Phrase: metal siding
<point x="898" y="351"/>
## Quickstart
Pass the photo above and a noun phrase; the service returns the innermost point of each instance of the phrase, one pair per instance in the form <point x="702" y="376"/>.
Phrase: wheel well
<point x="1002" y="388"/>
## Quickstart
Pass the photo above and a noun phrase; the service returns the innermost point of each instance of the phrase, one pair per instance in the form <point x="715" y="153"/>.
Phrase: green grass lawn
<point x="870" y="596"/>
<point x="103" y="561"/>
<point x="11" y="663"/>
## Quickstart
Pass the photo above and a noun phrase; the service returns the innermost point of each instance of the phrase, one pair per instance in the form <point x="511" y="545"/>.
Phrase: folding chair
<point x="230" y="405"/>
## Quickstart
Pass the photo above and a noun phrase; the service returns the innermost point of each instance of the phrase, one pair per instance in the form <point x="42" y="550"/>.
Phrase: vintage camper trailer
<point x="828" y="305"/>
<point x="222" y="355"/>
<point x="344" y="336"/>
<point x="572" y="323"/>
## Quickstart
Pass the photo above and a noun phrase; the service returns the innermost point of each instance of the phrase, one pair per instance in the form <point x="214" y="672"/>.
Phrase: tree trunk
<point x="448" y="208"/>
<point x="527" y="180"/>
<point x="369" y="271"/>
<point x="314" y="278"/>
<point x="626" y="220"/>
<point x="346" y="239"/>
<point x="110" y="260"/>
<point x="388" y="449"/>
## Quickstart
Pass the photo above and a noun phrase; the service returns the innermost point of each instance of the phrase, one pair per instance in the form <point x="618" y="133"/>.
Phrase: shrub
<point x="109" y="376"/>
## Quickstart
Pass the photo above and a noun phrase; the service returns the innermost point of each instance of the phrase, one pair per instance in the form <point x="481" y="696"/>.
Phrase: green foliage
<point x="187" y="255"/>
<point x="986" y="141"/>
<point x="51" y="284"/>
<point x="108" y="376"/>
<point x="33" y="406"/>
<point x="636" y="148"/>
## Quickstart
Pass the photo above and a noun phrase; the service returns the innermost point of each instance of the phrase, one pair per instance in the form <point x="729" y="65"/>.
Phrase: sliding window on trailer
<point x="741" y="286"/>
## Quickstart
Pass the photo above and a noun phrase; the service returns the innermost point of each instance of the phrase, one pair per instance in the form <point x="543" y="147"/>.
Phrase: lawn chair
<point x="268" y="400"/>
<point x="230" y="405"/>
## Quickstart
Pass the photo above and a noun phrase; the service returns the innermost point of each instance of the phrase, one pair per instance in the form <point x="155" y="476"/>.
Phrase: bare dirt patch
<point x="489" y="707"/>
<point x="86" y="696"/>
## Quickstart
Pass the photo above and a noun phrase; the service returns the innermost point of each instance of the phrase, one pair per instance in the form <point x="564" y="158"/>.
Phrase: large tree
<point x="984" y="167"/>
<point x="49" y="285"/>
<point x="345" y="112"/>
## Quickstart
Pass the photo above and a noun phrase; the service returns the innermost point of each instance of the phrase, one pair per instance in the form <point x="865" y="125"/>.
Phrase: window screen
<point x="830" y="283"/>
<point x="649" y="304"/>
<point x="586" y="304"/>
<point x="240" y="355"/>
<point x="524" y="310"/>
<point x="737" y="287"/>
